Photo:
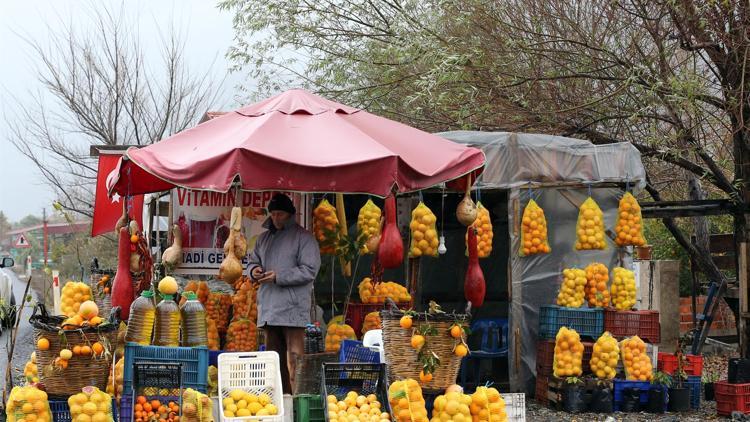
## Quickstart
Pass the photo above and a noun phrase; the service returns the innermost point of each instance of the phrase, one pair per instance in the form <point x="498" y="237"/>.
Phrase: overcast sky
<point x="208" y="33"/>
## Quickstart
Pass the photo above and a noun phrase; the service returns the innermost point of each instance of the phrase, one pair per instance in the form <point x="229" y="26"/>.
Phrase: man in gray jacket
<point x="285" y="260"/>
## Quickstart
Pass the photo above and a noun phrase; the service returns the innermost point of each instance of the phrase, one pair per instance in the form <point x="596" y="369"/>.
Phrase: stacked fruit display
<point x="637" y="363"/>
<point x="629" y="228"/>
<point x="533" y="230"/>
<point x="325" y="227"/>
<point x="590" y="228"/>
<point x="155" y="410"/>
<point x="623" y="288"/>
<point x="241" y="403"/>
<point x="356" y="407"/>
<point x="572" y="289"/>
<point x="73" y="294"/>
<point x="90" y="405"/>
<point x="87" y="315"/>
<point x="424" y="238"/>
<point x="407" y="403"/>
<point x="27" y="404"/>
<point x="336" y="333"/>
<point x="370" y="292"/>
<point x="597" y="276"/>
<point x="568" y="360"/>
<point x="605" y="356"/>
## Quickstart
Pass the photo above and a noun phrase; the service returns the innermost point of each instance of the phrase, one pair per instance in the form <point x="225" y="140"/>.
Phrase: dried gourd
<point x="590" y="227"/>
<point x="533" y="230"/>
<point x="629" y="227"/>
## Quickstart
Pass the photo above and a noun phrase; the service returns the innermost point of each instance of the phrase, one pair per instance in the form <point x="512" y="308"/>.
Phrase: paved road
<point x="24" y="343"/>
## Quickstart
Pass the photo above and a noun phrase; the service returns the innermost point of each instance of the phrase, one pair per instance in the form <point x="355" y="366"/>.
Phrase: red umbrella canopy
<point x="296" y="141"/>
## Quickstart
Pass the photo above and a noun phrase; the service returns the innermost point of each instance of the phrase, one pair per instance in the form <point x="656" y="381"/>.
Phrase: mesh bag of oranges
<point x="91" y="403"/>
<point x="325" y="227"/>
<point x="635" y="360"/>
<point x="533" y="230"/>
<point x="572" y="292"/>
<point x="629" y="227"/>
<point x="597" y="276"/>
<point x="568" y="358"/>
<point x="424" y="238"/>
<point x="214" y="342"/>
<point x="407" y="403"/>
<point x="336" y="333"/>
<point x="242" y="336"/>
<point x="590" y="227"/>
<point x="605" y="356"/>
<point x="196" y="407"/>
<point x="449" y="406"/>
<point x="372" y="322"/>
<point x="487" y="405"/>
<point x="483" y="226"/>
<point x="114" y="385"/>
<point x="370" y="292"/>
<point x="26" y="404"/>
<point x="356" y="407"/>
<point x="368" y="223"/>
<point x="623" y="288"/>
<point x="73" y="294"/>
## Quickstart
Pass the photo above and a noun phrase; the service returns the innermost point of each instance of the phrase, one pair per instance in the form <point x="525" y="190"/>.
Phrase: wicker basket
<point x="402" y="359"/>
<point x="81" y="372"/>
<point x="102" y="300"/>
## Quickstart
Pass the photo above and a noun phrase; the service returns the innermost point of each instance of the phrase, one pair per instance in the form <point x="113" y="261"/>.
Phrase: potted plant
<point x="708" y="379"/>
<point x="601" y="397"/>
<point x="657" y="394"/>
<point x="573" y="400"/>
<point x="679" y="394"/>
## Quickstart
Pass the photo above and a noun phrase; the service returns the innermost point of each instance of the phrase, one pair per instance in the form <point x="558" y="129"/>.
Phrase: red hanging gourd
<point x="391" y="247"/>
<point x="474" y="286"/>
<point x="122" y="286"/>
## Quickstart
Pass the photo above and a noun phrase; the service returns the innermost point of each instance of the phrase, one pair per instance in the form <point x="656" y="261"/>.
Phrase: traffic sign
<point x="21" y="242"/>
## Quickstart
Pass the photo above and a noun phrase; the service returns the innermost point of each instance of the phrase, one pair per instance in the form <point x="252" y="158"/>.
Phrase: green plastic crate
<point x="308" y="407"/>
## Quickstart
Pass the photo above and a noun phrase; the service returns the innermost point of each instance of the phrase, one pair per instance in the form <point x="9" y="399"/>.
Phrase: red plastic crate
<point x="545" y="356"/>
<point x="644" y="324"/>
<point x="667" y="362"/>
<point x="356" y="313"/>
<point x="732" y="398"/>
<point x="542" y="384"/>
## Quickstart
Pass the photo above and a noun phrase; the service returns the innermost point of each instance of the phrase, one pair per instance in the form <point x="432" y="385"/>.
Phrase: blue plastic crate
<point x="693" y="383"/>
<point x="353" y="351"/>
<point x="61" y="412"/>
<point x="588" y="322"/>
<point x="621" y="385"/>
<point x="213" y="357"/>
<point x="194" y="362"/>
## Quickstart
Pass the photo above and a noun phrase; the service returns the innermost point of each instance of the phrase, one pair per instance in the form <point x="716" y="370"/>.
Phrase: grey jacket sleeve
<point x="308" y="264"/>
<point x="254" y="258"/>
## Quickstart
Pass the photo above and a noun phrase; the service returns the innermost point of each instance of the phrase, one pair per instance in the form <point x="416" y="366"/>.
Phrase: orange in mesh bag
<point x="487" y="405"/>
<point x="590" y="227"/>
<point x="217" y="308"/>
<point x="568" y="358"/>
<point x="533" y="230"/>
<point x="28" y="403"/>
<point x="597" y="276"/>
<point x="196" y="407"/>
<point x="629" y="227"/>
<point x="424" y="238"/>
<point x="605" y="356"/>
<point x="635" y="360"/>
<point x="214" y="343"/>
<point x="325" y="227"/>
<point x="336" y="333"/>
<point x="242" y="336"/>
<point x="572" y="292"/>
<point x="623" y="289"/>
<point x="483" y="226"/>
<point x="407" y="402"/>
<point x="368" y="224"/>
<point x="91" y="403"/>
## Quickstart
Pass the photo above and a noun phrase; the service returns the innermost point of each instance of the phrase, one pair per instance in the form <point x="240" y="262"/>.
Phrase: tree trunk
<point x="702" y="243"/>
<point x="741" y="235"/>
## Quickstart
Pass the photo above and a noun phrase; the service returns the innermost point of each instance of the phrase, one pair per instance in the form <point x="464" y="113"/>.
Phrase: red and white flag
<point x="108" y="210"/>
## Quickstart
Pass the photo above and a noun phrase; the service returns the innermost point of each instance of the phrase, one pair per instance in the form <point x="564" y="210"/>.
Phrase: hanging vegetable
<point x="391" y="247"/>
<point x="466" y="211"/>
<point x="122" y="287"/>
<point x="172" y="256"/>
<point x="533" y="230"/>
<point x="368" y="225"/>
<point x="474" y="286"/>
<point x="483" y="225"/>
<point x="590" y="227"/>
<point x="325" y="226"/>
<point x="231" y="267"/>
<point x="424" y="239"/>
<point x="629" y="229"/>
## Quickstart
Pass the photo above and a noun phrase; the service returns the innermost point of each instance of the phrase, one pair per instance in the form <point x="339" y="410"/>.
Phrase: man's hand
<point x="268" y="277"/>
<point x="257" y="273"/>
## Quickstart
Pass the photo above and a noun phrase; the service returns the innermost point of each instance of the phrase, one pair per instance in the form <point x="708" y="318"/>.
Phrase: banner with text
<point x="203" y="218"/>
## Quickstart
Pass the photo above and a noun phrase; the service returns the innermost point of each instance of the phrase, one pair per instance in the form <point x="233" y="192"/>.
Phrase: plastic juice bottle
<point x="141" y="323"/>
<point x="193" y="316"/>
<point x="167" y="327"/>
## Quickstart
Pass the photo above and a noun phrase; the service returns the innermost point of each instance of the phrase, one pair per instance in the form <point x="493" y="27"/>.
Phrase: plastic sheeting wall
<point x="535" y="280"/>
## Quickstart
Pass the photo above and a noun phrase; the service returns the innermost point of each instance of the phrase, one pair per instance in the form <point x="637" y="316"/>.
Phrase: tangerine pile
<point x="356" y="407"/>
<point x="629" y="228"/>
<point x="533" y="230"/>
<point x="568" y="359"/>
<point x="155" y="411"/>
<point x="597" y="276"/>
<point x="637" y="363"/>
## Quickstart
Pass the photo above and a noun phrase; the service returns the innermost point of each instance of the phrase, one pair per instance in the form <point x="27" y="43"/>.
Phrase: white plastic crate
<point x="253" y="372"/>
<point x="515" y="406"/>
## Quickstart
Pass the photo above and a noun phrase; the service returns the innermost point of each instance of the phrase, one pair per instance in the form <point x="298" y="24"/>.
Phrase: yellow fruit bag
<point x="91" y="402"/>
<point x="597" y="293"/>
<point x="407" y="403"/>
<point x="605" y="356"/>
<point x="424" y="238"/>
<point x="213" y="381"/>
<point x="568" y="358"/>
<point x="447" y="407"/>
<point x="635" y="360"/>
<point x="30" y="370"/>
<point x="336" y="333"/>
<point x="629" y="227"/>
<point x="196" y="407"/>
<point x="572" y="292"/>
<point x="533" y="230"/>
<point x="368" y="223"/>
<point x="26" y="404"/>
<point x="372" y="322"/>
<point x="114" y="384"/>
<point x="483" y="225"/>
<point x="487" y="405"/>
<point x="590" y="227"/>
<point x="73" y="294"/>
<point x="623" y="289"/>
<point x="325" y="227"/>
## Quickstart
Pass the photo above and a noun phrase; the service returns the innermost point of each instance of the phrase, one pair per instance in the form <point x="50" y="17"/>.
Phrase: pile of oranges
<point x="590" y="227"/>
<point x="533" y="230"/>
<point x="605" y="356"/>
<point x="407" y="403"/>
<point x="597" y="276"/>
<point x="572" y="289"/>
<point x="90" y="405"/>
<point x="629" y="228"/>
<point x="155" y="411"/>
<point x="424" y="238"/>
<point x="27" y="404"/>
<point x="372" y="322"/>
<point x="368" y="223"/>
<point x="623" y="288"/>
<point x="370" y="292"/>
<point x="336" y="333"/>
<point x="483" y="226"/>
<point x="568" y="360"/>
<point x="637" y="363"/>
<point x="73" y="294"/>
<point x="325" y="227"/>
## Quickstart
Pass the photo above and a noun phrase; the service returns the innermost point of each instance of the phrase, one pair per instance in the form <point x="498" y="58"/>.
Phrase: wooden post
<point x="742" y="277"/>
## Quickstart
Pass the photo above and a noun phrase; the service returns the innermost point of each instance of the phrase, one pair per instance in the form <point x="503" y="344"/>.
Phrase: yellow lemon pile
<point x="28" y="404"/>
<point x="90" y="405"/>
<point x="629" y="227"/>
<point x="407" y="403"/>
<point x="424" y="238"/>
<point x="533" y="230"/>
<point x="336" y="333"/>
<point x="368" y="223"/>
<point x="605" y="356"/>
<point x="637" y="363"/>
<point x="378" y="292"/>
<point x="572" y="292"/>
<point x="241" y="403"/>
<point x="623" y="288"/>
<point x="356" y="407"/>
<point x="325" y="227"/>
<point x="73" y="294"/>
<point x="597" y="276"/>
<point x="590" y="227"/>
<point x="453" y="406"/>
<point x="568" y="360"/>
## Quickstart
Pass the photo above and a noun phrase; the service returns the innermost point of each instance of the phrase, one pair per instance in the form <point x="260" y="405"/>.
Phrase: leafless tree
<point x="98" y="88"/>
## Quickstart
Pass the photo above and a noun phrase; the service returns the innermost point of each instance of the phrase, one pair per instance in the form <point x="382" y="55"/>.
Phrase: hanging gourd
<point x="474" y="285"/>
<point x="590" y="227"/>
<point x="391" y="247"/>
<point x="466" y="211"/>
<point x="629" y="227"/>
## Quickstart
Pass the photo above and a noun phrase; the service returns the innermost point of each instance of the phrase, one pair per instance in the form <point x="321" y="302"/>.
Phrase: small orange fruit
<point x="417" y="341"/>
<point x="134" y="238"/>
<point x="456" y="331"/>
<point x="460" y="350"/>
<point x="97" y="348"/>
<point x="425" y="378"/>
<point x="42" y="343"/>
<point x="85" y="351"/>
<point x="405" y="322"/>
<point x="76" y="350"/>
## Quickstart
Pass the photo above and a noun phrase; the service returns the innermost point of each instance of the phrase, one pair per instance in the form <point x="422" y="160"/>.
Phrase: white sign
<point x="21" y="242"/>
<point x="203" y="218"/>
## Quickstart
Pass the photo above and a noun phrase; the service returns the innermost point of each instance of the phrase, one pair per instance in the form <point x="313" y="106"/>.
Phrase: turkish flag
<point x="108" y="210"/>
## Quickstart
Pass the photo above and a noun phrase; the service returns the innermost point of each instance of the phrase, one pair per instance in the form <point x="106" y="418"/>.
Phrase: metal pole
<point x="8" y="372"/>
<point x="44" y="221"/>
